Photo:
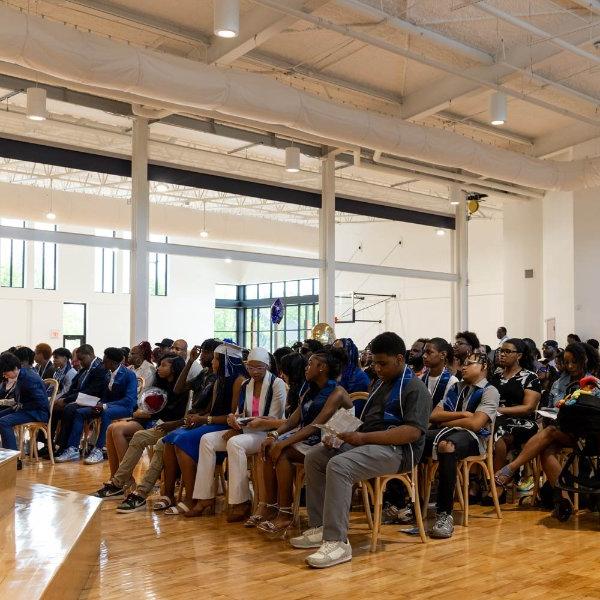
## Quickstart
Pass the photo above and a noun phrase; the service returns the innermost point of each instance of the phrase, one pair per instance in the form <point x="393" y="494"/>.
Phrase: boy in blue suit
<point x="118" y="401"/>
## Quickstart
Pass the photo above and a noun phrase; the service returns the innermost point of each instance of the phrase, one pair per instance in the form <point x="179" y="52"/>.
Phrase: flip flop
<point x="162" y="503"/>
<point x="180" y="509"/>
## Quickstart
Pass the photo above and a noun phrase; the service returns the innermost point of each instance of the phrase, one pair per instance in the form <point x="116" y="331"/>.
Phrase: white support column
<point x="140" y="226"/>
<point x="327" y="240"/>
<point x="460" y="255"/>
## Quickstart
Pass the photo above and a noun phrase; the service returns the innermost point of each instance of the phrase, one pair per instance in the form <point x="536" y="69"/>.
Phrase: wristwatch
<point x="209" y="420"/>
<point x="273" y="434"/>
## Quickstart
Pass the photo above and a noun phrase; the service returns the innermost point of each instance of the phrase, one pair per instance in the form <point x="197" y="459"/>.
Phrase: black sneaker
<point x="108" y="490"/>
<point x="132" y="503"/>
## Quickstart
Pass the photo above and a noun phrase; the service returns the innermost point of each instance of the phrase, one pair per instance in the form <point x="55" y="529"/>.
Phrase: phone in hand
<point x="243" y="421"/>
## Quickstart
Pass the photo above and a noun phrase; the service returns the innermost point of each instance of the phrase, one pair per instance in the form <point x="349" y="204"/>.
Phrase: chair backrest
<point x="140" y="385"/>
<point x="51" y="383"/>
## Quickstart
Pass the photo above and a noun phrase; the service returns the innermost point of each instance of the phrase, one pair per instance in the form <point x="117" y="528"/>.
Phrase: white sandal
<point x="180" y="509"/>
<point x="162" y="503"/>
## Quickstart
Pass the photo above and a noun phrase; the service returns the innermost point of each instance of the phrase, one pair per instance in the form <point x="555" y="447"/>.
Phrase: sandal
<point x="204" y="510"/>
<point x="504" y="475"/>
<point x="162" y="503"/>
<point x="180" y="509"/>
<point x="257" y="518"/>
<point x="273" y="531"/>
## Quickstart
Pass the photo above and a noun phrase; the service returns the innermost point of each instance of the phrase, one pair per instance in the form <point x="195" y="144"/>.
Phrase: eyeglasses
<point x="505" y="351"/>
<point x="467" y="363"/>
<point x="251" y="368"/>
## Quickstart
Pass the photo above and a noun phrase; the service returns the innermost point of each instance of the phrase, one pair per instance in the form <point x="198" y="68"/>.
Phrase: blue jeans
<point x="9" y="419"/>
<point x="84" y="413"/>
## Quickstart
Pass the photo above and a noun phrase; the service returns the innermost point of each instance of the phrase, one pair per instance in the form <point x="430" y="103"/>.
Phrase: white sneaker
<point x="69" y="454"/>
<point x="311" y="538"/>
<point x="94" y="457"/>
<point x="330" y="554"/>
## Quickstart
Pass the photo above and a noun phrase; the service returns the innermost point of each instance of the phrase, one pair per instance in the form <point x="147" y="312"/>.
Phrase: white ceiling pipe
<point x="441" y="174"/>
<point x="74" y="56"/>
<point x="544" y="35"/>
<point x="426" y="34"/>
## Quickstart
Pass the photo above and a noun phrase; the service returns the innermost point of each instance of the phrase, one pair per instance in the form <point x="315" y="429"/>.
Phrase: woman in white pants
<point x="263" y="395"/>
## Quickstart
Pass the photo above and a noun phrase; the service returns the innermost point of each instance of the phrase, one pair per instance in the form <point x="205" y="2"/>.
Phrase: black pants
<point x="67" y="416"/>
<point x="464" y="445"/>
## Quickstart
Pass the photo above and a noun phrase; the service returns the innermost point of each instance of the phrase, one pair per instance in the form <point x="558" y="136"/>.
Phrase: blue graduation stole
<point x="454" y="401"/>
<point x="440" y="386"/>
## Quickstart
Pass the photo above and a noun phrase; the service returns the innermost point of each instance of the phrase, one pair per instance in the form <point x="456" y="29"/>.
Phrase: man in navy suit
<point x="90" y="380"/>
<point x="117" y="401"/>
<point x="31" y="399"/>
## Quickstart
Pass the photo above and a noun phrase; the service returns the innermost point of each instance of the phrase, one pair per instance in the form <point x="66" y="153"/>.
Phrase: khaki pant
<point x="141" y="440"/>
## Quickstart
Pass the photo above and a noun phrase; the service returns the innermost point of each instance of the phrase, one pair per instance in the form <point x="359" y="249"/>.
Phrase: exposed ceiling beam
<point x="433" y="98"/>
<point x="281" y="65"/>
<point x="591" y="5"/>
<point x="485" y="127"/>
<point x="136" y="19"/>
<point x="420" y="32"/>
<point x="471" y="75"/>
<point x="561" y="139"/>
<point x="540" y="33"/>
<point x="257" y="26"/>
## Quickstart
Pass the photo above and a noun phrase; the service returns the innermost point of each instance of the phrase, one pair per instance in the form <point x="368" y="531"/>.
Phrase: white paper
<point x="86" y="400"/>
<point x="343" y="421"/>
<point x="549" y="413"/>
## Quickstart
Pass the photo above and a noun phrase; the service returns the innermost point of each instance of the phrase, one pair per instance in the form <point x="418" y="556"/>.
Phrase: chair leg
<point x="377" y="506"/>
<point x="465" y="492"/>
<point x="419" y="515"/>
<point x="50" y="443"/>
<point x="367" y="504"/>
<point x="576" y="494"/>
<point x="493" y="488"/>
<point x="430" y="471"/>
<point x="298" y="484"/>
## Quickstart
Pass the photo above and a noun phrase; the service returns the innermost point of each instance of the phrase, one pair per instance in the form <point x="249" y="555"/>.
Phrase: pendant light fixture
<point x="36" y="104"/>
<point x="498" y="108"/>
<point x="292" y="159"/>
<point x="226" y="18"/>
<point x="204" y="232"/>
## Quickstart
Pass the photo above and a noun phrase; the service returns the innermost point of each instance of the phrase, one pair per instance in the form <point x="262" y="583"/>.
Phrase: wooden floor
<point x="527" y="555"/>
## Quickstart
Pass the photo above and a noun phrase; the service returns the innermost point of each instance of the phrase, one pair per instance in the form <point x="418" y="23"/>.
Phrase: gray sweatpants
<point x="330" y="475"/>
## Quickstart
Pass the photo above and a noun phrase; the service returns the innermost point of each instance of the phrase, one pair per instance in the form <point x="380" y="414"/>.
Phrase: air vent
<point x="528" y="273"/>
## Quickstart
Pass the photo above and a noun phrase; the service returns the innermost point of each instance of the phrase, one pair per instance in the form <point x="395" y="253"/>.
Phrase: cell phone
<point x="244" y="420"/>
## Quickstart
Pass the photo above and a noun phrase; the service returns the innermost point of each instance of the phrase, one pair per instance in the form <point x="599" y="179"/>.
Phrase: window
<point x="158" y="269"/>
<point x="243" y="313"/>
<point x="12" y="258"/>
<point x="44" y="261"/>
<point x="105" y="262"/>
<point x="74" y="324"/>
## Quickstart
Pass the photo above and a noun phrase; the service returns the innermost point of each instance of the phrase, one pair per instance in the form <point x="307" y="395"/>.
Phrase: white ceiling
<point x="554" y="92"/>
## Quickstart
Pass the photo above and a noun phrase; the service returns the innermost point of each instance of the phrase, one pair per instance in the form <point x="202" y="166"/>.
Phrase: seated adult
<point x="91" y="379"/>
<point x="353" y="378"/>
<point x="520" y="393"/>
<point x="118" y="401"/>
<point x="579" y="361"/>
<point x="180" y="348"/>
<point x="31" y="399"/>
<point x="43" y="365"/>
<point x="177" y="451"/>
<point x="263" y="395"/>
<point x="65" y="373"/>
<point x="461" y="427"/>
<point x="415" y="356"/>
<point x="289" y="443"/>
<point x="127" y="440"/>
<point x="390" y="440"/>
<point x="140" y="362"/>
<point x="465" y="343"/>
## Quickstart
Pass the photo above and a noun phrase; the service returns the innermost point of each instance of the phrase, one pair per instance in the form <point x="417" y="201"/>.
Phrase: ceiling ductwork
<point x="78" y="57"/>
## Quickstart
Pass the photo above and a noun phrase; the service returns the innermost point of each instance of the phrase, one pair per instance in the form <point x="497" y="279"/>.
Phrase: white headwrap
<point x="260" y="355"/>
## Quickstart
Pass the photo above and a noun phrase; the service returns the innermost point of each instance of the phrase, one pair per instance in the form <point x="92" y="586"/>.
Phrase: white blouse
<point x="147" y="371"/>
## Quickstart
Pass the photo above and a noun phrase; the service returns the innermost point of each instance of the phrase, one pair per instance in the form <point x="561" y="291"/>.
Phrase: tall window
<point x="44" y="258"/>
<point x="158" y="269"/>
<point x="12" y="258"/>
<point x="243" y="312"/>
<point x="74" y="324"/>
<point x="105" y="263"/>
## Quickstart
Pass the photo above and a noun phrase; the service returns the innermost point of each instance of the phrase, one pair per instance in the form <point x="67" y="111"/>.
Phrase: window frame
<point x="11" y="259"/>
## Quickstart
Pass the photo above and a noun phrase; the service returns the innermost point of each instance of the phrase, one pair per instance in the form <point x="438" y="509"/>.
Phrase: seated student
<point x="579" y="361"/>
<point x="206" y="407"/>
<point x="520" y="393"/>
<point x="465" y="343"/>
<point x="31" y="399"/>
<point x="462" y="426"/>
<point x="309" y="346"/>
<point x="263" y="395"/>
<point x="25" y="355"/>
<point x="390" y="440"/>
<point x="291" y="440"/>
<point x="438" y="378"/>
<point x="91" y="380"/>
<point x="117" y="401"/>
<point x="140" y="362"/>
<point x="353" y="378"/>
<point x="65" y="373"/>
<point x="44" y="366"/>
<point x="143" y="430"/>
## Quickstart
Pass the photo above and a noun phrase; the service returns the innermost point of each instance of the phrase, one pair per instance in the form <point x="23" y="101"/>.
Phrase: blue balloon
<point x="277" y="312"/>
